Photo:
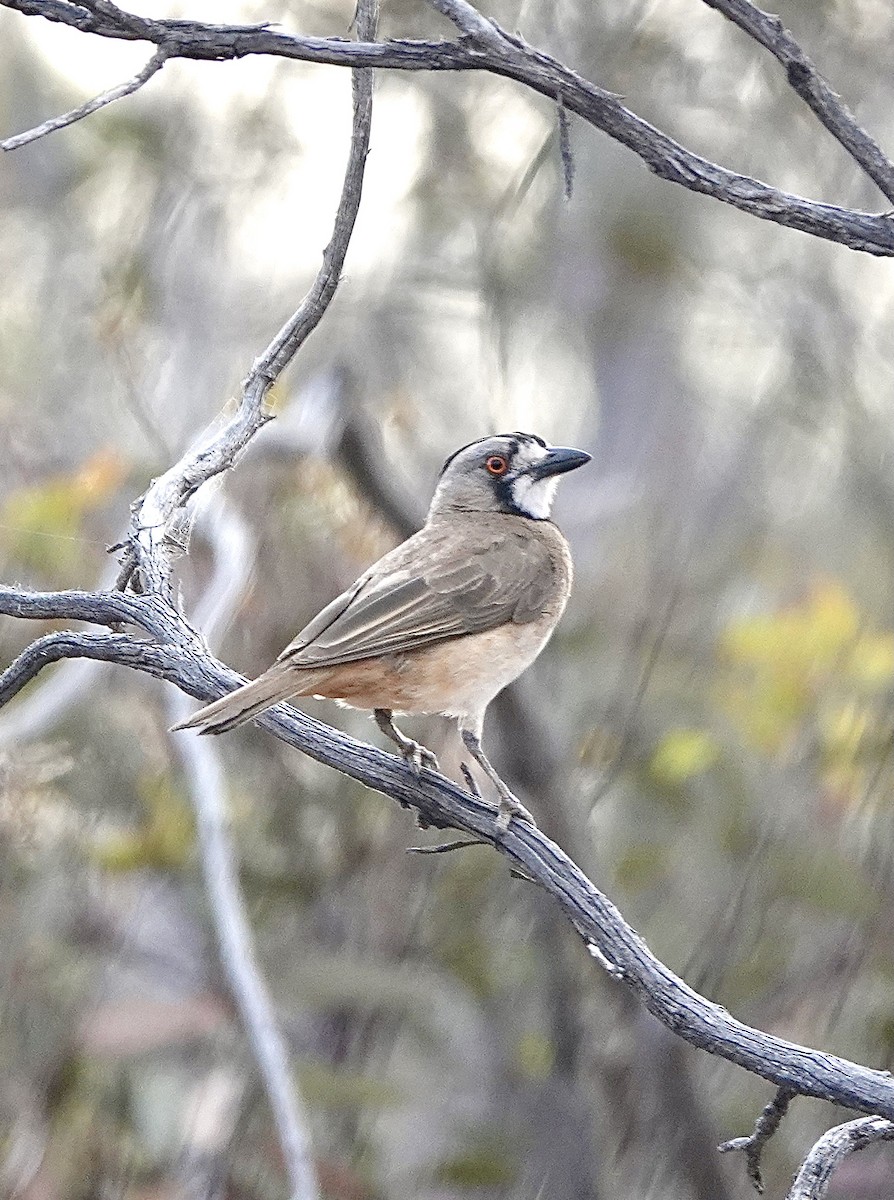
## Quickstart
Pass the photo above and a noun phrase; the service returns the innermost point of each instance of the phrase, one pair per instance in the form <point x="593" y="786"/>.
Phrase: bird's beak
<point x="557" y="461"/>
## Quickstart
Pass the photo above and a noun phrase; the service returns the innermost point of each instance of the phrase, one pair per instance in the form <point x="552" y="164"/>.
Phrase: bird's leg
<point x="414" y="754"/>
<point x="510" y="805"/>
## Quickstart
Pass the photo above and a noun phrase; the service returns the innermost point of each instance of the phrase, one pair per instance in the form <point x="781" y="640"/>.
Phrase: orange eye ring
<point x="497" y="465"/>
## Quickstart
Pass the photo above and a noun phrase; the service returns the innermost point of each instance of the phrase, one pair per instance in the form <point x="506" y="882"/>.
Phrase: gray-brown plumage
<point x="447" y="619"/>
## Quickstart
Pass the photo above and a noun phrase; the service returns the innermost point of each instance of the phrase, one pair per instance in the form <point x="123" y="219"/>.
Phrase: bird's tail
<point x="248" y="701"/>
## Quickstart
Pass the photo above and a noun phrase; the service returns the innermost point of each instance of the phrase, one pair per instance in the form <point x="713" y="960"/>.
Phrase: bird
<point x="448" y="618"/>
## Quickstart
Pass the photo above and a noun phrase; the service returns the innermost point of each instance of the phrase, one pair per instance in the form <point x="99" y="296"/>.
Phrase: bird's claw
<point x="474" y="789"/>
<point x="510" y="806"/>
<point x="417" y="756"/>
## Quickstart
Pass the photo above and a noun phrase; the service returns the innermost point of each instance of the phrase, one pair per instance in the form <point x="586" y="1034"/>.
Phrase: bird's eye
<point x="497" y="465"/>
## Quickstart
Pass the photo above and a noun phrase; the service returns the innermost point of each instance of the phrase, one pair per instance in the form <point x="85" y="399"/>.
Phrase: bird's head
<point x="510" y="472"/>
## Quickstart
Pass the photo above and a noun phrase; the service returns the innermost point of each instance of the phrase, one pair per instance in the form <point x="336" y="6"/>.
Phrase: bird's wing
<point x="436" y="585"/>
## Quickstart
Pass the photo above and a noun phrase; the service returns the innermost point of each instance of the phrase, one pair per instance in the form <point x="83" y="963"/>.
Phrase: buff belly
<point x="458" y="678"/>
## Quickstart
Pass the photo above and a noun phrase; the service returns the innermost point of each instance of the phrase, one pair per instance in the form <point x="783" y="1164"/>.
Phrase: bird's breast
<point x="458" y="677"/>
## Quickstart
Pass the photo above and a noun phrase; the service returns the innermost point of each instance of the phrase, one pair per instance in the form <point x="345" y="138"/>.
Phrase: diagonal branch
<point x="154" y="533"/>
<point x="831" y="111"/>
<point x="220" y="870"/>
<point x="155" y="63"/>
<point x="812" y="1181"/>
<point x="485" y="47"/>
<point x="608" y="937"/>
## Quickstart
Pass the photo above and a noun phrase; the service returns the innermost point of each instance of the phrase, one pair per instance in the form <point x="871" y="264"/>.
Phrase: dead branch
<point x="155" y="63"/>
<point x="483" y="46"/>
<point x="764" y="1128"/>
<point x="769" y="32"/>
<point x="443" y="804"/>
<point x="207" y="787"/>
<point x="812" y="1181"/>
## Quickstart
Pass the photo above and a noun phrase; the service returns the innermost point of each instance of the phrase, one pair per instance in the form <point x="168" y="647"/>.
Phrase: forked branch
<point x="483" y="46"/>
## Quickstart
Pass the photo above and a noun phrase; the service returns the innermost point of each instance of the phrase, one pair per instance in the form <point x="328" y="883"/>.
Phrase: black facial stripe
<point x="515" y="441"/>
<point x="502" y="491"/>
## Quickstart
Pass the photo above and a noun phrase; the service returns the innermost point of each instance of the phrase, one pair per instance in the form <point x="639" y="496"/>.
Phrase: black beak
<point x="558" y="460"/>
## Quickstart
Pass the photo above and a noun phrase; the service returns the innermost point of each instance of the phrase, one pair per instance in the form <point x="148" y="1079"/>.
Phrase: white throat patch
<point x="534" y="497"/>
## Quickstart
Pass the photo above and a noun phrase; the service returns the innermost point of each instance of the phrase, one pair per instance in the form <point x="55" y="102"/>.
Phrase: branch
<point x="155" y="524"/>
<point x="201" y="765"/>
<point x="155" y="63"/>
<point x="764" y="1128"/>
<point x="769" y="32"/>
<point x="118" y="648"/>
<point x="97" y="608"/>
<point x="157" y="529"/>
<point x="485" y="47"/>
<point x="608" y="937"/>
<point x="812" y="1181"/>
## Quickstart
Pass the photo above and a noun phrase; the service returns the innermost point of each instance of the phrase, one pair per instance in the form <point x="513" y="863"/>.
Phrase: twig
<point x="490" y="49"/>
<point x="155" y="63"/>
<point x="565" y="149"/>
<point x="769" y="32"/>
<point x="764" y="1128"/>
<point x="201" y="765"/>
<point x="470" y="21"/>
<point x="812" y="1181"/>
<point x="446" y="847"/>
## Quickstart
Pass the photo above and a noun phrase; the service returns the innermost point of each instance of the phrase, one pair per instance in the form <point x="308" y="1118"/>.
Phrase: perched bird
<point x="447" y="619"/>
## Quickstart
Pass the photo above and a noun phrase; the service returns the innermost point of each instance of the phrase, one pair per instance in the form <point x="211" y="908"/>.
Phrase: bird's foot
<point x="474" y="789"/>
<point x="414" y="754"/>
<point x="417" y="756"/>
<point x="510" y="806"/>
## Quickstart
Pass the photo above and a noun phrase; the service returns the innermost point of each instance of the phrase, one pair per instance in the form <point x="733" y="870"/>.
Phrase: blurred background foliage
<point x="709" y="732"/>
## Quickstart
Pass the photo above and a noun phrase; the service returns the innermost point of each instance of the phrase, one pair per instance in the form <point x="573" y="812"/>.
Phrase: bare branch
<point x="155" y="63"/>
<point x="470" y="21"/>
<point x="97" y="608"/>
<point x="299" y="327"/>
<point x="119" y="648"/>
<point x="201" y="759"/>
<point x="812" y="1181"/>
<point x="490" y="49"/>
<point x="769" y="32"/>
<point x="441" y="803"/>
<point x="154" y="516"/>
<point x="201" y="764"/>
<point x="764" y="1128"/>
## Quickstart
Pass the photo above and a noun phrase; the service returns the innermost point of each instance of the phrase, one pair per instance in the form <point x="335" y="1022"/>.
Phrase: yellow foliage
<point x="872" y="661"/>
<point x="809" y="668"/>
<point x="165" y="839"/>
<point x="41" y="524"/>
<point x="805" y="636"/>
<point x="681" y="754"/>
